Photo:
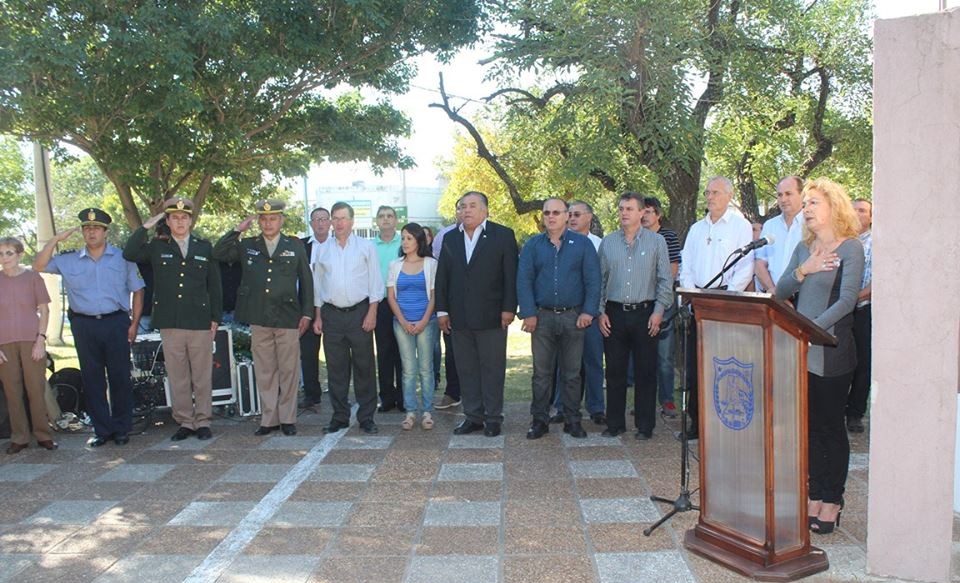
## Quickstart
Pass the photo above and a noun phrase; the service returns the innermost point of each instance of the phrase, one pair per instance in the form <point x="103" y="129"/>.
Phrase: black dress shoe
<point x="288" y="428"/>
<point x="48" y="444"/>
<point x="369" y="427"/>
<point x="608" y="432"/>
<point x="121" y="439"/>
<point x="467" y="427"/>
<point x="386" y="407"/>
<point x="643" y="435"/>
<point x="574" y="430"/>
<point x="309" y="403"/>
<point x="181" y="434"/>
<point x="598" y="418"/>
<point x="557" y="418"/>
<point x="537" y="430"/>
<point x="491" y="429"/>
<point x="335" y="426"/>
<point x="265" y="430"/>
<point x="204" y="433"/>
<point x="854" y="425"/>
<point x="97" y="441"/>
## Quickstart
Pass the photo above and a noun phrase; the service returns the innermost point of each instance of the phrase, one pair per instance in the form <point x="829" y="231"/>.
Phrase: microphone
<point x="768" y="240"/>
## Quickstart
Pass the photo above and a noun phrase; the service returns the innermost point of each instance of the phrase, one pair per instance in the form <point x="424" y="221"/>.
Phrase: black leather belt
<point x="365" y="302"/>
<point x="72" y="314"/>
<point x="559" y="310"/>
<point x="632" y="307"/>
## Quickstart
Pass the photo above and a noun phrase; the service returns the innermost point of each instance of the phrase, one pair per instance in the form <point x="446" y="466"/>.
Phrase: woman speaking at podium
<point x="825" y="273"/>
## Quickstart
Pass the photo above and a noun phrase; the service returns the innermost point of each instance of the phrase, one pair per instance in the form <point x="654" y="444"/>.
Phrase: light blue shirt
<point x="97" y="286"/>
<point x="387" y="251"/>
<point x="779" y="253"/>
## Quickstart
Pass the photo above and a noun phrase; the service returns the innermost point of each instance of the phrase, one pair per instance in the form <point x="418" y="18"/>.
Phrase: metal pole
<point x="46" y="229"/>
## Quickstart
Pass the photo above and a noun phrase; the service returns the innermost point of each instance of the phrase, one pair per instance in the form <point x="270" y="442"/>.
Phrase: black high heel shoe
<point x="825" y="527"/>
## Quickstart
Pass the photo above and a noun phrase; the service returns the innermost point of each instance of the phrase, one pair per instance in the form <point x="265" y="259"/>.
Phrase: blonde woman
<point x="825" y="272"/>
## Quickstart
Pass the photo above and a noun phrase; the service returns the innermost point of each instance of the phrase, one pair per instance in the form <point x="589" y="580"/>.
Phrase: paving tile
<point x="136" y="473"/>
<point x="650" y="567"/>
<point x="50" y="568"/>
<point x="453" y="569"/>
<point x="276" y="569"/>
<point x="440" y="513"/>
<point x="290" y="540"/>
<point x="596" y="453"/>
<point x="298" y="442"/>
<point x="380" y="514"/>
<point x="364" y="442"/>
<point x="538" y="540"/>
<point x="212" y="514"/>
<point x="102" y="539"/>
<point x="136" y="511"/>
<point x="476" y="442"/>
<point x="619" y="510"/>
<point x="542" y="512"/>
<point x="404" y="492"/>
<point x="603" y="469"/>
<point x="629" y="538"/>
<point x="311" y="514"/>
<point x="10" y="565"/>
<point x="162" y="569"/>
<point x="374" y="541"/>
<point x="470" y="472"/>
<point x="610" y="487"/>
<point x="548" y="569"/>
<point x="473" y="456"/>
<point x="859" y="461"/>
<point x="847" y="563"/>
<point x="591" y="440"/>
<point x="34" y="539"/>
<point x="270" y="456"/>
<point x="182" y="540"/>
<point x="538" y="489"/>
<point x="468" y="491"/>
<point x="235" y="491"/>
<point x="310" y="491"/>
<point x="256" y="473"/>
<point x="354" y="456"/>
<point x="361" y="570"/>
<point x="16" y="509"/>
<point x="24" y="472"/>
<point x="342" y="472"/>
<point x="459" y="540"/>
<point x="70" y="512"/>
<point x="187" y="445"/>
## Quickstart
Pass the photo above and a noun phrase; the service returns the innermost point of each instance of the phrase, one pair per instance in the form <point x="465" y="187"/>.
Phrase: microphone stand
<point x="682" y="502"/>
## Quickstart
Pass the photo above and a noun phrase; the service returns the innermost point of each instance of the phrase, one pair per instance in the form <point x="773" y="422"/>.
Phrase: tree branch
<point x="522" y="206"/>
<point x="824" y="145"/>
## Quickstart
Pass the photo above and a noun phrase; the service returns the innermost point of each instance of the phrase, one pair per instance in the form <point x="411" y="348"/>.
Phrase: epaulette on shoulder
<point x="69" y="251"/>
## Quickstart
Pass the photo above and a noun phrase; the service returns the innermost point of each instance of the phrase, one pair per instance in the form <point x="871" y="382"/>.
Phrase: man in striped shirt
<point x="635" y="289"/>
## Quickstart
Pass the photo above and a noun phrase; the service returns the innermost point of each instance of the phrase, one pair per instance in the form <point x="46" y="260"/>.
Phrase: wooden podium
<point x="752" y="371"/>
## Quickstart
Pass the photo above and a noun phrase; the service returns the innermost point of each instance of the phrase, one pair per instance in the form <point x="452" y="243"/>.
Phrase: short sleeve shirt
<point x="19" y="321"/>
<point x="97" y="286"/>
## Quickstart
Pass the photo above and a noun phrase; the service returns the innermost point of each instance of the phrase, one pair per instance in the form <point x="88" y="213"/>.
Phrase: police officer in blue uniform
<point x="99" y="284"/>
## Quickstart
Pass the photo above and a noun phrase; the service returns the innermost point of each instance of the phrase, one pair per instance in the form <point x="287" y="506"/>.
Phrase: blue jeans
<point x="665" y="353"/>
<point x="416" y="356"/>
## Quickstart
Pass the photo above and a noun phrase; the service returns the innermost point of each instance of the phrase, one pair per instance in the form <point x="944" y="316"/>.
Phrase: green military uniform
<point x="275" y="295"/>
<point x="186" y="290"/>
<point x="187" y="304"/>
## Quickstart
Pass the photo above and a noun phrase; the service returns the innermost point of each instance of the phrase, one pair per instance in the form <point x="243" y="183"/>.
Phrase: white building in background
<point x="366" y="192"/>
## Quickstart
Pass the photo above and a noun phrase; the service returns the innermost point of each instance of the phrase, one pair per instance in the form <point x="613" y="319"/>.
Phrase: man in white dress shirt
<point x="786" y="229"/>
<point x="348" y="287"/>
<point x="710" y="241"/>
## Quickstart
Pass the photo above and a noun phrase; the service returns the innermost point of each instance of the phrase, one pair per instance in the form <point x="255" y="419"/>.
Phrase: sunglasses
<point x="553" y="213"/>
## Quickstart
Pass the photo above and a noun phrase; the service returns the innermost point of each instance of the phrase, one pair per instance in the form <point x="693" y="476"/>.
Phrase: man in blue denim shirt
<point x="558" y="289"/>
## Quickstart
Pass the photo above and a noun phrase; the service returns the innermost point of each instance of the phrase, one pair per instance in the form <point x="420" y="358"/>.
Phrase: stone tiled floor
<point x="405" y="507"/>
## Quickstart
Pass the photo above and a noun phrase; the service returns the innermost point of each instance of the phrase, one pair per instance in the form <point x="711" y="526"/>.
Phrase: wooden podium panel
<point x="752" y="373"/>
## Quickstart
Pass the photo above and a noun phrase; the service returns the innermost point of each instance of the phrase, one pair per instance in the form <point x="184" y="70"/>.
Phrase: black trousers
<point x="629" y="336"/>
<point x="310" y="365"/>
<point x="860" y="387"/>
<point x="482" y="366"/>
<point x="349" y="350"/>
<point x="693" y="379"/>
<point x="389" y="372"/>
<point x="450" y="368"/>
<point x="829" y="448"/>
<point x="104" y="352"/>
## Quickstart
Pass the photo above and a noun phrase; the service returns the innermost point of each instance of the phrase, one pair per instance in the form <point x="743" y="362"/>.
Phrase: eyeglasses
<point x="577" y="214"/>
<point x="553" y="213"/>
<point x="8" y="253"/>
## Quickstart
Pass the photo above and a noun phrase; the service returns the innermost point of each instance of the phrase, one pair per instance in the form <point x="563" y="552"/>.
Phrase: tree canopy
<point x="208" y="97"/>
<point x="655" y="96"/>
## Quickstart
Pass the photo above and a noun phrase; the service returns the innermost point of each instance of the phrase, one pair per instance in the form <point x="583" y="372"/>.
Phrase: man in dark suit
<point x="476" y="293"/>
<point x="310" y="341"/>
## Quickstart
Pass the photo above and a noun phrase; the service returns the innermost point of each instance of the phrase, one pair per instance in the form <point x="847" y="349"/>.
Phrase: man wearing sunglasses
<point x="558" y="288"/>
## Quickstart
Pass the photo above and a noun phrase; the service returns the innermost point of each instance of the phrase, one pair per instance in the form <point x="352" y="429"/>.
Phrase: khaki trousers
<point x="18" y="373"/>
<point x="276" y="363"/>
<point x="188" y="355"/>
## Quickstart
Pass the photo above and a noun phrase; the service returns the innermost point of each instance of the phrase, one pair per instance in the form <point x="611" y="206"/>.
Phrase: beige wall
<point x="916" y="291"/>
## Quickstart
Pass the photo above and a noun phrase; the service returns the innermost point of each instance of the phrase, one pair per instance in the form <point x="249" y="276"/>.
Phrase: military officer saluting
<point x="99" y="282"/>
<point x="187" y="305"/>
<point x="276" y="299"/>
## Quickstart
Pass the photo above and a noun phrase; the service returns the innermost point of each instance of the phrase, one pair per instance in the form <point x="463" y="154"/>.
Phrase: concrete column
<point x="916" y="295"/>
